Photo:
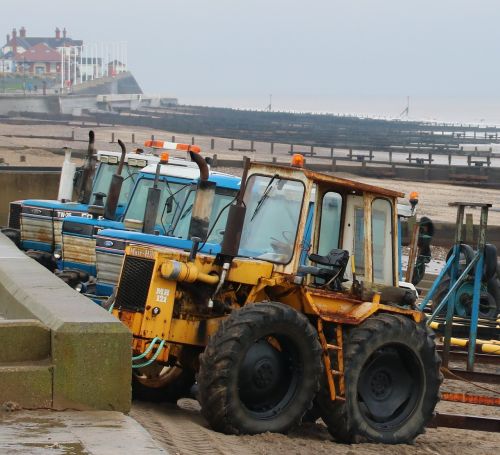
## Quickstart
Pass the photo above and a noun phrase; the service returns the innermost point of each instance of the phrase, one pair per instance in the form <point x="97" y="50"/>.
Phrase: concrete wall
<point x="25" y="184"/>
<point x="38" y="104"/>
<point x="89" y="348"/>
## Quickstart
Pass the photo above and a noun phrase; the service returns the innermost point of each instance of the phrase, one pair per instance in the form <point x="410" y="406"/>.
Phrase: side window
<point x="329" y="231"/>
<point x="359" y="240"/>
<point x="382" y="242"/>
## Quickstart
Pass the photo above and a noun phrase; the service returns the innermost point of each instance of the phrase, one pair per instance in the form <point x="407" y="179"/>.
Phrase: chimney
<point x="8" y="39"/>
<point x="22" y="32"/>
<point x="14" y="42"/>
<point x="58" y="33"/>
<point x="64" y="32"/>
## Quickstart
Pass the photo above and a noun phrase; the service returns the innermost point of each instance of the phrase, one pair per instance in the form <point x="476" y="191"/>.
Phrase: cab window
<point x="382" y="242"/>
<point x="329" y="231"/>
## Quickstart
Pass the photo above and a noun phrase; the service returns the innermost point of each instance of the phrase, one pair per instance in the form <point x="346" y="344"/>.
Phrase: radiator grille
<point x="134" y="283"/>
<point x="15" y="215"/>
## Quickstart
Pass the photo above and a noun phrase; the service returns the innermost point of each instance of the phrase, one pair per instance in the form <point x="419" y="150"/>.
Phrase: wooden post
<point x="291" y="148"/>
<point x="413" y="227"/>
<point x="251" y="146"/>
<point x="133" y="138"/>
<point x="350" y="154"/>
<point x="488" y="158"/>
<point x="232" y="145"/>
<point x="370" y="155"/>
<point x="152" y="137"/>
<point x="390" y="156"/>
<point x="73" y="135"/>
<point x="469" y="159"/>
<point x="212" y="144"/>
<point x="192" y="140"/>
<point x="112" y="138"/>
<point x="312" y="150"/>
<point x="272" y="148"/>
<point x="430" y="158"/>
<point x="274" y="160"/>
<point x="214" y="160"/>
<point x="331" y="152"/>
<point x="334" y="165"/>
<point x="449" y="159"/>
<point x="469" y="228"/>
<point x="173" y="138"/>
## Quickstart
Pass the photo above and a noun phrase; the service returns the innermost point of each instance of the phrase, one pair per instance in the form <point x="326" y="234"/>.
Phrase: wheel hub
<point x="263" y="376"/>
<point x="380" y="384"/>
<point x="385" y="385"/>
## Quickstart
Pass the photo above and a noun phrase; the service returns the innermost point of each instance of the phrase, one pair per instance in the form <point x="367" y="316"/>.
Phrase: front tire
<point x="260" y="371"/>
<point x="392" y="382"/>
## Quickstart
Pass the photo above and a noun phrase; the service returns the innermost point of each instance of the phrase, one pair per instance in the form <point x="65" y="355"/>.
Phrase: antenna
<point x="270" y="106"/>
<point x="406" y="110"/>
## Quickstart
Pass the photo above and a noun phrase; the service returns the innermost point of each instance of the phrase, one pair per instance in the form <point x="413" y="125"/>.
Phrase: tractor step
<point x="23" y="340"/>
<point x="333" y="347"/>
<point x="26" y="384"/>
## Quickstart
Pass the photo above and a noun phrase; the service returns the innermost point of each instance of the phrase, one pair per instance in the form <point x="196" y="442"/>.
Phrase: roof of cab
<point x="320" y="177"/>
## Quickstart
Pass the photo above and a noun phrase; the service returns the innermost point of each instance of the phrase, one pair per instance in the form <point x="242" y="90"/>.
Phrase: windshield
<point x="103" y="179"/>
<point x="223" y="196"/>
<point x="272" y="217"/>
<point x="172" y="195"/>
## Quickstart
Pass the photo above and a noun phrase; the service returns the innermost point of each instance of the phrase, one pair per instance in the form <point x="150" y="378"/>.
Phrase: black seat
<point x="332" y="274"/>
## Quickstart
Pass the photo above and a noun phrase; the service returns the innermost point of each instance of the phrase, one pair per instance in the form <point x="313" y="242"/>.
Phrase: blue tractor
<point x="159" y="212"/>
<point x="35" y="225"/>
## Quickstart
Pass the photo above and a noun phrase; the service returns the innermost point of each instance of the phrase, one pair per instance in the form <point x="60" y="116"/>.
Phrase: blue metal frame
<point x="452" y="264"/>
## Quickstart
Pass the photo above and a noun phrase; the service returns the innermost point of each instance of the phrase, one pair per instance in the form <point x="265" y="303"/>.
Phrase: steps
<point x="26" y="368"/>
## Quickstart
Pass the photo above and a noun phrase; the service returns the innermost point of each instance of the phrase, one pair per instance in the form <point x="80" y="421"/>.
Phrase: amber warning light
<point x="298" y="160"/>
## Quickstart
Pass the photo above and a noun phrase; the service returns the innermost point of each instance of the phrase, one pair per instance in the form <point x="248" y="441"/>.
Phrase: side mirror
<point x="170" y="204"/>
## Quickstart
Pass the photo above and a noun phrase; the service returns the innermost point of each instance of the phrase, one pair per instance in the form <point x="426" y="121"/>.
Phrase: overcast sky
<point x="315" y="55"/>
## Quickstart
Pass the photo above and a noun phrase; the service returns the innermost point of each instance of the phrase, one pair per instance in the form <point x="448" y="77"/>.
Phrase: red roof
<point x="39" y="53"/>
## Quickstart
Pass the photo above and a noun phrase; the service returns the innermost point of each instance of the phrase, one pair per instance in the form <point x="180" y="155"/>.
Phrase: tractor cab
<point x="354" y="227"/>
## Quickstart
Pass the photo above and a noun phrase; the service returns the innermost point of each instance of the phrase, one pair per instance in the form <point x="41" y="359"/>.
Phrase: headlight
<point x="79" y="287"/>
<point x="57" y="254"/>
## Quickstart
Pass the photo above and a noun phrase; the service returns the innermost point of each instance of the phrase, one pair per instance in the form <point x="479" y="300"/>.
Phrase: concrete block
<point x="29" y="385"/>
<point x="24" y="340"/>
<point x="90" y="349"/>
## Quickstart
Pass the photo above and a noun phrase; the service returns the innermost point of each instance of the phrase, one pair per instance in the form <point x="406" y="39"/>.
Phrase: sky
<point x="350" y="56"/>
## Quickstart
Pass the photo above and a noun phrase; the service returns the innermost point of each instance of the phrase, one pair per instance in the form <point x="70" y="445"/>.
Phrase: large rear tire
<point x="392" y="382"/>
<point x="260" y="371"/>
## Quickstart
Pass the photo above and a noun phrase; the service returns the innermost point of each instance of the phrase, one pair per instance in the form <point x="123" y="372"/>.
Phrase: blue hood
<point x="158" y="240"/>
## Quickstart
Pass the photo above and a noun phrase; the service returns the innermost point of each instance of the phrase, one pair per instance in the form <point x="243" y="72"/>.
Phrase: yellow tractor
<point x="299" y="306"/>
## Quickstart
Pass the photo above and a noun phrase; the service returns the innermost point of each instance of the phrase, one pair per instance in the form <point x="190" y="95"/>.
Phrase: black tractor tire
<point x="14" y="235"/>
<point x="43" y="258"/>
<point x="440" y="293"/>
<point x="176" y="383"/>
<point x="490" y="262"/>
<point x="260" y="371"/>
<point x="494" y="290"/>
<point x="392" y="382"/>
<point x="466" y="255"/>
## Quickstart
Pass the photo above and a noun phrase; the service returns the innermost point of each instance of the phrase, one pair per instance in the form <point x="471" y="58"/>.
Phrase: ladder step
<point x="337" y="373"/>
<point x="333" y="347"/>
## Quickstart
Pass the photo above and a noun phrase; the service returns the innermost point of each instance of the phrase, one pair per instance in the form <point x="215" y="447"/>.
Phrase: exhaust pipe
<point x="204" y="200"/>
<point x="115" y="187"/>
<point x="88" y="170"/>
<point x="235" y="218"/>
<point x="65" y="192"/>
<point x="153" y="199"/>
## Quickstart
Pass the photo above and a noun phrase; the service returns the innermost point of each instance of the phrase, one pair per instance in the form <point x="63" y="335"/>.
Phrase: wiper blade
<point x="264" y="196"/>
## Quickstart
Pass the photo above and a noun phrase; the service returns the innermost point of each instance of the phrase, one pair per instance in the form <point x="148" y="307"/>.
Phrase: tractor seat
<point x="332" y="275"/>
